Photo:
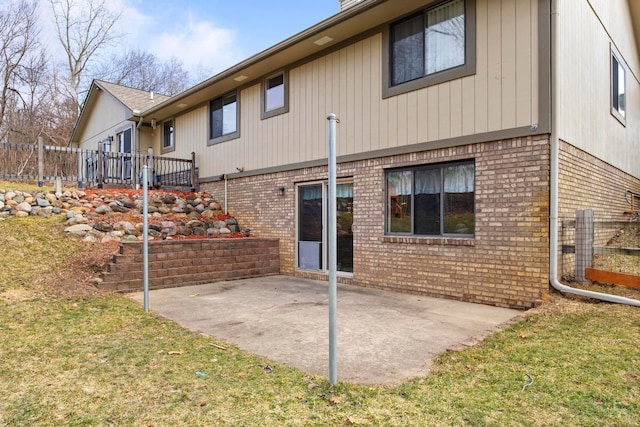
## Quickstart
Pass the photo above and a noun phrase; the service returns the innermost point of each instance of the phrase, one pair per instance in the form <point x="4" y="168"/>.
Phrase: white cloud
<point x="203" y="47"/>
<point x="200" y="45"/>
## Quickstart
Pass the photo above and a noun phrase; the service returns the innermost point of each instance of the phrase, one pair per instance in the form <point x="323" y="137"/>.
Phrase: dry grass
<point x="72" y="357"/>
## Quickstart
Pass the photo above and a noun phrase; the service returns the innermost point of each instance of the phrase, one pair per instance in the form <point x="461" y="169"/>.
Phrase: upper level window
<point x="274" y="95"/>
<point x="433" y="200"/>
<point x="167" y="135"/>
<point x="429" y="42"/>
<point x="618" y="90"/>
<point x="223" y="119"/>
<point x="430" y="47"/>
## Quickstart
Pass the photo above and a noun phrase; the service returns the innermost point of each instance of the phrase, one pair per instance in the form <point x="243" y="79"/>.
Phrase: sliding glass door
<point x="312" y="220"/>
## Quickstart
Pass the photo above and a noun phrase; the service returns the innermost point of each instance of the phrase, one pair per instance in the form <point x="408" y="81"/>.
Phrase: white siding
<point x="107" y="117"/>
<point x="587" y="30"/>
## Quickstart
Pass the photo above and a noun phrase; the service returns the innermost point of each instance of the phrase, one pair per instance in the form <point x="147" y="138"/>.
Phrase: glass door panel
<point x="344" y="210"/>
<point x="310" y="226"/>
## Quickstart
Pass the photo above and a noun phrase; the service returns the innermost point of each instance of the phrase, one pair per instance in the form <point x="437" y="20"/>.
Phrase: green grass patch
<point x="102" y="361"/>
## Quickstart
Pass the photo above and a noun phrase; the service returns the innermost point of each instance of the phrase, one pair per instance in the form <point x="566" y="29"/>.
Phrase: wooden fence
<point x="94" y="168"/>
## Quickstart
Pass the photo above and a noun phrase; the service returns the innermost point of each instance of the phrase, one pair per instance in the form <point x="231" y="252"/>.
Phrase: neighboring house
<point x="105" y="119"/>
<point x="468" y="130"/>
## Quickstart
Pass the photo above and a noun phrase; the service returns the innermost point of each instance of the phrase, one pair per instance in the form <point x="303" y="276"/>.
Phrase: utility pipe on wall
<point x="554" y="178"/>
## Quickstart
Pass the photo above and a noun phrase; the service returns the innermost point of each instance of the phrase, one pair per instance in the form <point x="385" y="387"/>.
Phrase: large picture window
<point x="433" y="200"/>
<point x="223" y="119"/>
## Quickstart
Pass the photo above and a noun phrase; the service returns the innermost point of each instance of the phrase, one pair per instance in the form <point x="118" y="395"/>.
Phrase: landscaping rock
<point x="103" y="209"/>
<point x="113" y="215"/>
<point x="79" y="230"/>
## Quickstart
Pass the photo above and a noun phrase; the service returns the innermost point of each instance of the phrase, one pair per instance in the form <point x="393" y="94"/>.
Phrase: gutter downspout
<point x="554" y="179"/>
<point x="226" y="211"/>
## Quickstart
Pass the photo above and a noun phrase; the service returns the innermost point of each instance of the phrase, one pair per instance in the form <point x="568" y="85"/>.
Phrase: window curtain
<point x="444" y="37"/>
<point x="459" y="179"/>
<point x="344" y="191"/>
<point x="428" y="181"/>
<point x="399" y="183"/>
<point x="408" y="50"/>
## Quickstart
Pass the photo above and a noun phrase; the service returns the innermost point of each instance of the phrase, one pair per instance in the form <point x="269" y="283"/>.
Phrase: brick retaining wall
<point x="189" y="262"/>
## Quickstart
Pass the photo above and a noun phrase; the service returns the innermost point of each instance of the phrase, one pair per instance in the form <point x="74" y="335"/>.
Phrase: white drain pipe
<point x="554" y="155"/>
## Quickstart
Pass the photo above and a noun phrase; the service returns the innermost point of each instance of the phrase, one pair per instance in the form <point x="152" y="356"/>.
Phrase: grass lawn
<point x="72" y="356"/>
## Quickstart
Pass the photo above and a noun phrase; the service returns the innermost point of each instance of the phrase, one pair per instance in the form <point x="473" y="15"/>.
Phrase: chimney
<point x="151" y="95"/>
<point x="345" y="4"/>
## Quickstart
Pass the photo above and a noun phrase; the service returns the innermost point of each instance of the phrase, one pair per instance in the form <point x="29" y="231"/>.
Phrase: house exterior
<point x="468" y="130"/>
<point x="105" y="119"/>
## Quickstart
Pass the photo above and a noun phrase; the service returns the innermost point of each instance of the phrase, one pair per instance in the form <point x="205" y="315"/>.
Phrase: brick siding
<point x="586" y="182"/>
<point x="505" y="264"/>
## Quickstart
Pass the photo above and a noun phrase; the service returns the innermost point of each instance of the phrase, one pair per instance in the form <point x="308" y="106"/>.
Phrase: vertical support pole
<point x="40" y="162"/>
<point x="145" y="234"/>
<point x="101" y="161"/>
<point x="332" y="246"/>
<point x="194" y="185"/>
<point x="584" y="243"/>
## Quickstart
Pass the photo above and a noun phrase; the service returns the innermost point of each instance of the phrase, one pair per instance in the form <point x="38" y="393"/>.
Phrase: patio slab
<point x="383" y="337"/>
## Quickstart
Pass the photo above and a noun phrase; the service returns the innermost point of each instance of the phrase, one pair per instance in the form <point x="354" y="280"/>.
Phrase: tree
<point x="143" y="70"/>
<point x="83" y="27"/>
<point x="18" y="40"/>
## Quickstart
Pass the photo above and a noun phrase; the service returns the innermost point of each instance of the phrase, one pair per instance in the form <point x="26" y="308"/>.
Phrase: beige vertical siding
<point x="585" y="118"/>
<point x="107" y="110"/>
<point x="501" y="95"/>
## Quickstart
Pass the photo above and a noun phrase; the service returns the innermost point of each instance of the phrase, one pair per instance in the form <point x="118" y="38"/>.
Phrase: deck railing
<point x="94" y="168"/>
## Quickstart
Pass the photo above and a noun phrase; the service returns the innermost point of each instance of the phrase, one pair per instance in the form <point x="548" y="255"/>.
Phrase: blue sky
<point x="209" y="36"/>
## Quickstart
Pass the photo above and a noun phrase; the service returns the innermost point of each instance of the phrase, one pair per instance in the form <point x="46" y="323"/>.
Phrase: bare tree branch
<point x="84" y="27"/>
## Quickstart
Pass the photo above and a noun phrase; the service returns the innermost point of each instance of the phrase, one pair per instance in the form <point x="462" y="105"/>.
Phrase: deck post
<point x="40" y="162"/>
<point x="101" y="160"/>
<point x="194" y="185"/>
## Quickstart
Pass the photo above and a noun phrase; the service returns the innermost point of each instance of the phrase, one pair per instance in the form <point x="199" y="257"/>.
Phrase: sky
<point x="209" y="36"/>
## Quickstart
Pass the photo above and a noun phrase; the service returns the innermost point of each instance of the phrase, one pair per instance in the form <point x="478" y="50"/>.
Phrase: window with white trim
<point x="618" y="86"/>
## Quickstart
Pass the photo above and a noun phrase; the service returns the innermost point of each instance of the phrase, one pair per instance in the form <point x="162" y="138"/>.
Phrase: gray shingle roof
<point x="134" y="99"/>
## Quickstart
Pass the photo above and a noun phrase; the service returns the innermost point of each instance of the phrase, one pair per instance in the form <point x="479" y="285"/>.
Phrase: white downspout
<point x="554" y="178"/>
<point x="226" y="211"/>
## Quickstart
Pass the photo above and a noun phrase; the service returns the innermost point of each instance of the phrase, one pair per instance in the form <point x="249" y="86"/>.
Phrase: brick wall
<point x="505" y="264"/>
<point x="189" y="262"/>
<point x="587" y="182"/>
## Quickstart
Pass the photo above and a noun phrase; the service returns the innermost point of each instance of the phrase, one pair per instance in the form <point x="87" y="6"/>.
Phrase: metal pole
<point x="145" y="234"/>
<point x="332" y="256"/>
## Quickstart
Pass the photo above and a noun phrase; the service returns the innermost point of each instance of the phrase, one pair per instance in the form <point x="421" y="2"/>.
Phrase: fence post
<point x="151" y="171"/>
<point x="194" y="186"/>
<point x="584" y="243"/>
<point x="101" y="160"/>
<point x="40" y="162"/>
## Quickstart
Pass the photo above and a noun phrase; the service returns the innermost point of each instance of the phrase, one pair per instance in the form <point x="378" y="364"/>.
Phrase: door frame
<point x="324" y="183"/>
